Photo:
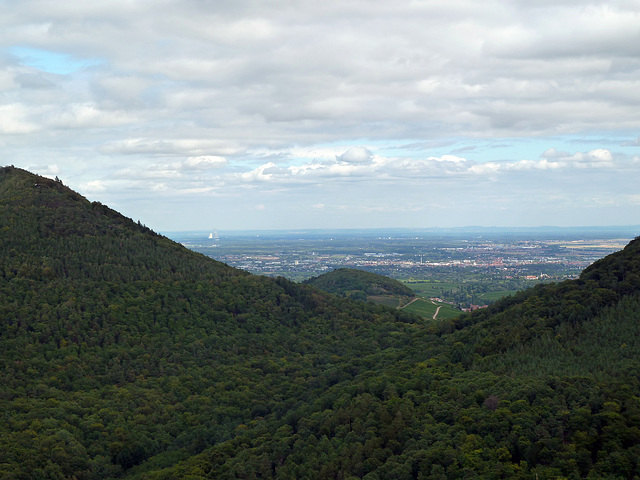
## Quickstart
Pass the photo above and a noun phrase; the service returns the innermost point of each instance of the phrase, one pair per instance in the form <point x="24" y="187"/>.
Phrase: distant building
<point x="474" y="307"/>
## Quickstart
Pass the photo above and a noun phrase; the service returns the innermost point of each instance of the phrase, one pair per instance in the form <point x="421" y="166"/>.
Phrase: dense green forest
<point x="359" y="284"/>
<point x="125" y="355"/>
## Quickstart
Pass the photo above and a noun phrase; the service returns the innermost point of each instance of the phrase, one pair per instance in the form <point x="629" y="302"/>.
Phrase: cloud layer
<point x="363" y="107"/>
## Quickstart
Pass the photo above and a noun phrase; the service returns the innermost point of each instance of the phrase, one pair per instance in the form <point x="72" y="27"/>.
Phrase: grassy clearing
<point x="463" y="293"/>
<point x="447" y="311"/>
<point x="427" y="309"/>
<point x="424" y="308"/>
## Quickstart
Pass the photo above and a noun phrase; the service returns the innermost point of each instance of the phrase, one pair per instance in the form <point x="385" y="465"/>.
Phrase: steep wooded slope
<point x="118" y="345"/>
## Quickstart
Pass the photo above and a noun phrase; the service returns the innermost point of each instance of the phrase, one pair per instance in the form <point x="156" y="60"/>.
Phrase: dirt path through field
<point x="418" y="298"/>
<point x="409" y="303"/>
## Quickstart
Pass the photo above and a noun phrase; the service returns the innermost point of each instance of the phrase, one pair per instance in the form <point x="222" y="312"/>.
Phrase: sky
<point x="252" y="114"/>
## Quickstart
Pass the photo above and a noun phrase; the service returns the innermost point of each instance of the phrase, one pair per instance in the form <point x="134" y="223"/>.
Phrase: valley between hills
<point x="126" y="355"/>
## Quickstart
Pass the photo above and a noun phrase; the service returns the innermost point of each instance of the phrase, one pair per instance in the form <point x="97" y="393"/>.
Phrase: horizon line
<point x="460" y="228"/>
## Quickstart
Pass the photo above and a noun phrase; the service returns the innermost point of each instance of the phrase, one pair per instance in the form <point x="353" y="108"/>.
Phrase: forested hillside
<point x="124" y="355"/>
<point x="118" y="345"/>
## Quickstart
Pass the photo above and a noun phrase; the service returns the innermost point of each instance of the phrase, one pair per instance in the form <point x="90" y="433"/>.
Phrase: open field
<point x="612" y="244"/>
<point x="469" y="291"/>
<point x="427" y="309"/>
<point x="419" y="306"/>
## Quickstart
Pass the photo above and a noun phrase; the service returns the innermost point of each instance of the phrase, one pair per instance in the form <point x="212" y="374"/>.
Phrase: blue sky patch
<point x="52" y="62"/>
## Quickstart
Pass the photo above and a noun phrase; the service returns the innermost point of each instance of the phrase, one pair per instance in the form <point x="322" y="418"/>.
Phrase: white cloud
<point x="356" y="155"/>
<point x="92" y="187"/>
<point x="88" y="115"/>
<point x="167" y="147"/>
<point x="449" y="158"/>
<point x="264" y="173"/>
<point x="155" y="171"/>
<point x="14" y="119"/>
<point x="600" y="157"/>
<point x="543" y="164"/>
<point x="205" y="162"/>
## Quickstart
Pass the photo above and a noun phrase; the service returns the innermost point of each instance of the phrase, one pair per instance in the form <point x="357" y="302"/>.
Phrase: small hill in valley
<point x="361" y="285"/>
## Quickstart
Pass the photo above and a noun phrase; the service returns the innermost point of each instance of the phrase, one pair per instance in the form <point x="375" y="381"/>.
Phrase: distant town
<point x="300" y="257"/>
<point x="472" y="263"/>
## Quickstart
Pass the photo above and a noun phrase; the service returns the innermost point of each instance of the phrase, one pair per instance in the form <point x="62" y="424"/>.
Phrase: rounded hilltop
<point x="359" y="284"/>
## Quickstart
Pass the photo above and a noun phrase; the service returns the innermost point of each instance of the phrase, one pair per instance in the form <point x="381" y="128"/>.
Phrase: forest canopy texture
<point x="125" y="355"/>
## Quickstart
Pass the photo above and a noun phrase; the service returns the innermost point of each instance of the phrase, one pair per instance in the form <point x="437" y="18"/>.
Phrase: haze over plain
<point x="263" y="115"/>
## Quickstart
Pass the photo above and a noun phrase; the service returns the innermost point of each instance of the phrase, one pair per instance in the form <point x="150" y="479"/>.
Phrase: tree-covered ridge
<point x="124" y="355"/>
<point x="41" y="216"/>
<point x="359" y="284"/>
